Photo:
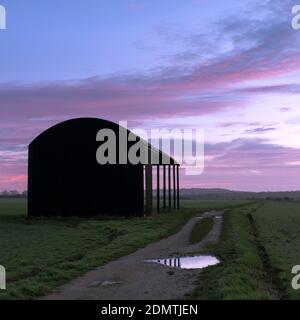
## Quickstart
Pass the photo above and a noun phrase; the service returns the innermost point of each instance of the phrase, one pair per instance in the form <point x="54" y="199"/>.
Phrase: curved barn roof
<point x="73" y="127"/>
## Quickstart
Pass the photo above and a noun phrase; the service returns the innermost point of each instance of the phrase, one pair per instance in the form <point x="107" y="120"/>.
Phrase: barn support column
<point x="164" y="191"/>
<point x="158" y="189"/>
<point x="174" y="186"/>
<point x="149" y="192"/>
<point x="178" y="188"/>
<point x="169" y="187"/>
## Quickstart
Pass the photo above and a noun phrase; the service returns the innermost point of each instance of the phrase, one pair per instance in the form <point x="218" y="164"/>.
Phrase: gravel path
<point x="131" y="278"/>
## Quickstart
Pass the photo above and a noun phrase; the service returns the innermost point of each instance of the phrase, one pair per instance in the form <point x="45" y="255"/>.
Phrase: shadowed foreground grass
<point x="41" y="254"/>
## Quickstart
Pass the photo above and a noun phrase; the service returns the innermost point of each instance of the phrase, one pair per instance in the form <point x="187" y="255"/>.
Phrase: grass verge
<point x="241" y="273"/>
<point x="201" y="229"/>
<point x="278" y="228"/>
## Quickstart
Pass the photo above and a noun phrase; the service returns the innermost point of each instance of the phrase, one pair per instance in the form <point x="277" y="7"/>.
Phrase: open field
<point x="41" y="254"/>
<point x="278" y="226"/>
<point x="260" y="242"/>
<point x="212" y="204"/>
<point x="258" y="247"/>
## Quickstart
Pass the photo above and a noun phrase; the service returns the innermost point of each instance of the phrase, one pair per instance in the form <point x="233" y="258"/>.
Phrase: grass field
<point x="41" y="254"/>
<point x="278" y="226"/>
<point x="212" y="204"/>
<point x="258" y="247"/>
<point x="260" y="243"/>
<point x="201" y="229"/>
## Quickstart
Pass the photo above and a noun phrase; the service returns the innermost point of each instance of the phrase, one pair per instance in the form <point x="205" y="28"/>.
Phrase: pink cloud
<point x="262" y="50"/>
<point x="253" y="165"/>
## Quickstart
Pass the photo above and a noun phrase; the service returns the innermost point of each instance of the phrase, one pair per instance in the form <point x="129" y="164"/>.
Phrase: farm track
<point x="131" y="278"/>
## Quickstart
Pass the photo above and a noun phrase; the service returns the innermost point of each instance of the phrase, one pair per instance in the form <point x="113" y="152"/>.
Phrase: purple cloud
<point x="211" y="74"/>
<point x="260" y="130"/>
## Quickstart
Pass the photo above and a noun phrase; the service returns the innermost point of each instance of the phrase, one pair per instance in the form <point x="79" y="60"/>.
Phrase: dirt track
<point x="131" y="278"/>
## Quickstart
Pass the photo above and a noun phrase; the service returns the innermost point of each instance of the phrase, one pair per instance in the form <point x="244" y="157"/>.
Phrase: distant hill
<point x="224" y="194"/>
<point x="205" y="194"/>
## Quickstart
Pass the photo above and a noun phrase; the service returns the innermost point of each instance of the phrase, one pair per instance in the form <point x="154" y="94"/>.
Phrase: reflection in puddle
<point x="194" y="262"/>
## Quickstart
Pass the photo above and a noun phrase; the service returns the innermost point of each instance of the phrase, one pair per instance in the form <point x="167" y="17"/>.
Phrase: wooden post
<point x="158" y="186"/>
<point x="164" y="186"/>
<point x="169" y="189"/>
<point x="174" y="186"/>
<point x="178" y="187"/>
<point x="149" y="191"/>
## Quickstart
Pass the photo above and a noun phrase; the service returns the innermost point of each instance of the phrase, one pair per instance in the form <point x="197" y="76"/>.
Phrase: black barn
<point x="64" y="178"/>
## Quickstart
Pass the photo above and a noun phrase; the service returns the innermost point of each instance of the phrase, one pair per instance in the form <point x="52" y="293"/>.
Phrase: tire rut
<point x="270" y="271"/>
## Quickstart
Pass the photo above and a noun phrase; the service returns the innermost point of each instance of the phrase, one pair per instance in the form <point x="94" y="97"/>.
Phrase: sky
<point x="231" y="68"/>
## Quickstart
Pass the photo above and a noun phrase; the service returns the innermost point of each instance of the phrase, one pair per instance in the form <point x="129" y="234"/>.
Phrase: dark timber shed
<point x="64" y="178"/>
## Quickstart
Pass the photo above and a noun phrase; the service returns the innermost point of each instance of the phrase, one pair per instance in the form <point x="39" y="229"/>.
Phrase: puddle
<point x="193" y="262"/>
<point x="218" y="217"/>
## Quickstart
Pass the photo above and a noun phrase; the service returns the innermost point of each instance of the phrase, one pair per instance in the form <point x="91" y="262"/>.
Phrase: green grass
<point x="201" y="229"/>
<point x="257" y="255"/>
<point x="278" y="225"/>
<point x="241" y="273"/>
<point x="41" y="254"/>
<point x="212" y="204"/>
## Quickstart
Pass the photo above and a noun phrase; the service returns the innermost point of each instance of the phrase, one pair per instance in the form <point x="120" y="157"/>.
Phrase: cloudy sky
<point x="229" y="67"/>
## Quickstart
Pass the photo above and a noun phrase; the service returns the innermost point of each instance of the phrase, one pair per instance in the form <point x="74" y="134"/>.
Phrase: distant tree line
<point x="13" y="194"/>
<point x="224" y="194"/>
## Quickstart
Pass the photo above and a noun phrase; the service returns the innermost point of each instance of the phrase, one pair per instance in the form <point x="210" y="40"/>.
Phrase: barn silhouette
<point x="64" y="178"/>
